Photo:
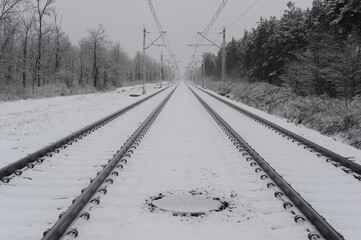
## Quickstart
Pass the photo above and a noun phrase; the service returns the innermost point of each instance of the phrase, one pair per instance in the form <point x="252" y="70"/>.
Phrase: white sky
<point x="182" y="19"/>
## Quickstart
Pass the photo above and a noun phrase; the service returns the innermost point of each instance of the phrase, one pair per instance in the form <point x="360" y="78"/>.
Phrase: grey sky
<point x="124" y="20"/>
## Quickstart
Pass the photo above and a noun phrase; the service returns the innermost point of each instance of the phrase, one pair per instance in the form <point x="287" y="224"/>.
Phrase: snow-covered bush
<point x="327" y="115"/>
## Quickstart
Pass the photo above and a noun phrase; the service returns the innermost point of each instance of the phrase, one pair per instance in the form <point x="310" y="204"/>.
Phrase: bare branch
<point x="9" y="7"/>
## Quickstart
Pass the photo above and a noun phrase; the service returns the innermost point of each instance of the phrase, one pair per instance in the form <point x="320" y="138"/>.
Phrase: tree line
<point x="313" y="51"/>
<point x="36" y="52"/>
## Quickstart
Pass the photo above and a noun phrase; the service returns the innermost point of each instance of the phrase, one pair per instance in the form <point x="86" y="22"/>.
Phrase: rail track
<point x="303" y="164"/>
<point x="33" y="197"/>
<point x="293" y="205"/>
<point x="257" y="161"/>
<point x="185" y="152"/>
<point x="121" y="157"/>
<point x="337" y="160"/>
<point x="15" y="169"/>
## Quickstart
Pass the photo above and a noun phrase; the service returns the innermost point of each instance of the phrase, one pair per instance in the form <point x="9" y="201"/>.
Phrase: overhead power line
<point x="213" y="20"/>
<point x="160" y="29"/>
<point x="244" y="13"/>
<point x="206" y="30"/>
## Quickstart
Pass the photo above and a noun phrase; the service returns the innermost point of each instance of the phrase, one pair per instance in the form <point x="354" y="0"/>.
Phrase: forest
<point x="38" y="59"/>
<point x="313" y="51"/>
<point x="304" y="67"/>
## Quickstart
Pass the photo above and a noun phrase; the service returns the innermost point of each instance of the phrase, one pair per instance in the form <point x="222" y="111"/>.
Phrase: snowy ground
<point x="186" y="152"/>
<point x="332" y="192"/>
<point x="333" y="144"/>
<point x="28" y="125"/>
<point x="32" y="202"/>
<point x="183" y="152"/>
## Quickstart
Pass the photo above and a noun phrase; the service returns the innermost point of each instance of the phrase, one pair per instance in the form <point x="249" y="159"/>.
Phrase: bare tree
<point x="58" y="33"/>
<point x="8" y="8"/>
<point x="35" y="51"/>
<point x="26" y="28"/>
<point x="8" y="49"/>
<point x="97" y="39"/>
<point x="84" y="59"/>
<point x="41" y="10"/>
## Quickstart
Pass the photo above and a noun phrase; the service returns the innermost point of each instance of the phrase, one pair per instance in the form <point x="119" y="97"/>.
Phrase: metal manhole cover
<point x="184" y="204"/>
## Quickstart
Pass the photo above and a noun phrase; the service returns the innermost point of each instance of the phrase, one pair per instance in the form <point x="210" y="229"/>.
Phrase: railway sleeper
<point x="60" y="227"/>
<point x="317" y="220"/>
<point x="7" y="173"/>
<point x="297" y="139"/>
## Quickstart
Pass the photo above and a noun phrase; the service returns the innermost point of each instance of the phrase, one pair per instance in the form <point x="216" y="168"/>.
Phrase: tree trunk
<point x="38" y="60"/>
<point x="25" y="56"/>
<point x="95" y="67"/>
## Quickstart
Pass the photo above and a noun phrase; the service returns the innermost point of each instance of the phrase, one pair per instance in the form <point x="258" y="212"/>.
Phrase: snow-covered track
<point x="28" y="161"/>
<point x="186" y="153"/>
<point x="121" y="156"/>
<point x="327" y="231"/>
<point x="332" y="157"/>
<point x="31" y="202"/>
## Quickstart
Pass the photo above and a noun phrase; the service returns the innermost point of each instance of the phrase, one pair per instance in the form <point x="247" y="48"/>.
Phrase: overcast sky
<point x="182" y="19"/>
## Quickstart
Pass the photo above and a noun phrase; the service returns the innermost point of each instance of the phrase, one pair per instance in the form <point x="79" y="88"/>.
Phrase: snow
<point x="332" y="192"/>
<point x="32" y="202"/>
<point x="187" y="204"/>
<point x="334" y="144"/>
<point x="28" y="125"/>
<point x="186" y="152"/>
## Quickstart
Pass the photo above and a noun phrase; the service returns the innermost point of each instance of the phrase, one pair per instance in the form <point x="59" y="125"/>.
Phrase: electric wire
<point x="206" y="30"/>
<point x="244" y="13"/>
<point x="164" y="36"/>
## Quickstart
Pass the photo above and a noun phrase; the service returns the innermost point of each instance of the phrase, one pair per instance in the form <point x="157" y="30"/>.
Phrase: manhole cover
<point x="183" y="205"/>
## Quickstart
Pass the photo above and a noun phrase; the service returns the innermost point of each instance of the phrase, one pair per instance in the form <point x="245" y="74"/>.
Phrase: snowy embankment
<point x="285" y="111"/>
<point x="28" y="125"/>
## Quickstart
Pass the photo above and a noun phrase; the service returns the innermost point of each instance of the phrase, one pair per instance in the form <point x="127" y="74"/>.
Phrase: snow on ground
<point x="332" y="193"/>
<point x="28" y="125"/>
<point x="182" y="152"/>
<point x="32" y="202"/>
<point x="335" y="145"/>
<point x="185" y="152"/>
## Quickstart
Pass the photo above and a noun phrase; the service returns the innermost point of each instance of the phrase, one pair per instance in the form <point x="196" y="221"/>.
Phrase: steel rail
<point x="326" y="152"/>
<point x="73" y="211"/>
<point x="312" y="215"/>
<point x="23" y="162"/>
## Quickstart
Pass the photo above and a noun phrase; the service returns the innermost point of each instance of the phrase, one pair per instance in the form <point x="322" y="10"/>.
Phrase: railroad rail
<point x="122" y="156"/>
<point x="312" y="145"/>
<point x="327" y="231"/>
<point x="292" y="201"/>
<point x="37" y="156"/>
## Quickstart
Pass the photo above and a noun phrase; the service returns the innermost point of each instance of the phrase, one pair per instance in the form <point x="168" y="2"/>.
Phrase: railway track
<point x="337" y="160"/>
<point x="320" y="176"/>
<point x="263" y="192"/>
<point x="32" y="198"/>
<point x="28" y="162"/>
<point x="123" y="213"/>
<point x="263" y="166"/>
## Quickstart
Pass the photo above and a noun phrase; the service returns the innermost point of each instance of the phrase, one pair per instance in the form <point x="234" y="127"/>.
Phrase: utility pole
<point x="196" y="74"/>
<point x="161" y="66"/>
<point x="144" y="61"/>
<point x="161" y="69"/>
<point x="203" y="73"/>
<point x="145" y="47"/>
<point x="224" y="57"/>
<point x="223" y="49"/>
